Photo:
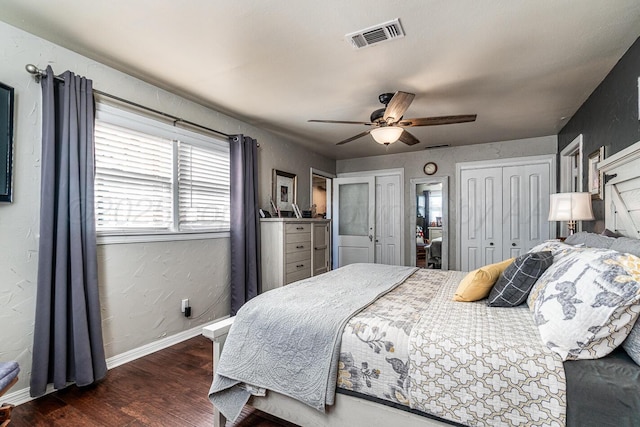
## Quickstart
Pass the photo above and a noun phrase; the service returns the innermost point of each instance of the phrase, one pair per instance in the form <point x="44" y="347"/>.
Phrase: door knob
<point x="370" y="238"/>
<point x="513" y="244"/>
<point x="491" y="244"/>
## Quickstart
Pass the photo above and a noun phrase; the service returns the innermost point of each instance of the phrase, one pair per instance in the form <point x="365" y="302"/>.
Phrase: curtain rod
<point x="39" y="74"/>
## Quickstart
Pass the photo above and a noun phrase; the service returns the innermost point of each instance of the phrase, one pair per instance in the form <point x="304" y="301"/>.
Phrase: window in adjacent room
<point x="155" y="179"/>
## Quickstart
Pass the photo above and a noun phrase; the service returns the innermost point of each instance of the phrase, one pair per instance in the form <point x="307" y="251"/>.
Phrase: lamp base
<point x="571" y="225"/>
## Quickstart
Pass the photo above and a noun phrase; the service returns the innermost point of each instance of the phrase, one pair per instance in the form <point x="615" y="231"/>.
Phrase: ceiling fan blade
<point x="341" y="122"/>
<point x="408" y="139"/>
<point x="442" y="120"/>
<point x="397" y="106"/>
<point x="360" y="135"/>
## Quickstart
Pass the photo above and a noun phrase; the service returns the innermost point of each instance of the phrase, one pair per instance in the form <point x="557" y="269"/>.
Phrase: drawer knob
<point x="299" y="228"/>
<point x="299" y="246"/>
<point x="299" y="265"/>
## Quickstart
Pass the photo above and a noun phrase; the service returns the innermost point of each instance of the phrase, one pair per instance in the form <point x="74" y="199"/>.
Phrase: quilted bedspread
<point x="463" y="362"/>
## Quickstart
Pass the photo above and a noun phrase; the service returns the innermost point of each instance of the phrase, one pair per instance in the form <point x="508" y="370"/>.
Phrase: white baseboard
<point x="22" y="396"/>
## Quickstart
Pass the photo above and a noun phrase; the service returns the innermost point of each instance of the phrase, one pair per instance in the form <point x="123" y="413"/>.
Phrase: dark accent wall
<point x="608" y="117"/>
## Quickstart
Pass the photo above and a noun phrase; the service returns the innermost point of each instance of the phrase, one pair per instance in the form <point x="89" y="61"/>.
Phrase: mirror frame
<point x="413" y="186"/>
<point x="6" y="142"/>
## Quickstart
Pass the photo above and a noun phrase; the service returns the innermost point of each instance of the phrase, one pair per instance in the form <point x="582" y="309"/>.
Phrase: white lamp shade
<point x="387" y="134"/>
<point x="570" y="207"/>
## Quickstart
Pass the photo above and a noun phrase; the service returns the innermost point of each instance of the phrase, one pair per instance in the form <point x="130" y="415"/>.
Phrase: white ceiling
<point x="523" y="66"/>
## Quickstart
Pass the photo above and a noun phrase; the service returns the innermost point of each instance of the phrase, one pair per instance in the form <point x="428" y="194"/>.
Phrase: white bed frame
<point x="622" y="214"/>
<point x="347" y="410"/>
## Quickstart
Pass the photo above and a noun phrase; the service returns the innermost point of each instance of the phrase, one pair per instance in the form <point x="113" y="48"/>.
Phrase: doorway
<point x="429" y="223"/>
<point x="321" y="187"/>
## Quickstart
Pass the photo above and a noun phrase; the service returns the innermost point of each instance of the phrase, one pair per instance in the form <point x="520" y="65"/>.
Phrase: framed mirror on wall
<point x="6" y="143"/>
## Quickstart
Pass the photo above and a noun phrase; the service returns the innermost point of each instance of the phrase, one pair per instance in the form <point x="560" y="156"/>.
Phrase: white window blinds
<point x="154" y="178"/>
<point x="133" y="179"/>
<point x="203" y="188"/>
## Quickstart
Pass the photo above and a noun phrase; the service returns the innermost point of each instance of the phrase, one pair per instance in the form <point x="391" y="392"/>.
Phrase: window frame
<point x="141" y="123"/>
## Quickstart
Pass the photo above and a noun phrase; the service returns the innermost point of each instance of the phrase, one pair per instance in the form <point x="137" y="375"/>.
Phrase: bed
<point x="409" y="355"/>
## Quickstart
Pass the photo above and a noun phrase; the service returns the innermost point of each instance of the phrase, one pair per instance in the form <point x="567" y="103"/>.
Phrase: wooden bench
<point x="8" y="377"/>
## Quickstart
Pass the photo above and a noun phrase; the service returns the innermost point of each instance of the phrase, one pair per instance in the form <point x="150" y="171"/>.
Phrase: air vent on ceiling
<point x="378" y="33"/>
<point x="436" y="146"/>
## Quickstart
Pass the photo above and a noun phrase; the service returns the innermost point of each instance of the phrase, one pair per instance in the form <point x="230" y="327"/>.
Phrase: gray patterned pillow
<point x="632" y="344"/>
<point x="515" y="283"/>
<point x="586" y="303"/>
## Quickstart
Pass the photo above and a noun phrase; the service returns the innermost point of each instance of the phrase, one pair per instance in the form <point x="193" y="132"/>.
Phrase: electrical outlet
<point x="185" y="304"/>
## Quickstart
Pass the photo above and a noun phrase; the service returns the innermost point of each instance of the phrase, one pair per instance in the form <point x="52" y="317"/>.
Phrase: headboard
<point x="621" y="176"/>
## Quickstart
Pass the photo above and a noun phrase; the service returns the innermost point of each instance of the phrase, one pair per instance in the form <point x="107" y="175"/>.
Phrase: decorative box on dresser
<point x="293" y="249"/>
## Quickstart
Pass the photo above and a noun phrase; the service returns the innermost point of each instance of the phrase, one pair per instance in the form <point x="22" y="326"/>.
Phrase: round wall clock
<point x="430" y="168"/>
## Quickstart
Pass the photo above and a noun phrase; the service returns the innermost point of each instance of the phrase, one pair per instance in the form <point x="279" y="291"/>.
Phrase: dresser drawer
<point x="297" y="275"/>
<point x="298" y="228"/>
<point x="297" y="237"/>
<point x="297" y="256"/>
<point x="299" y="265"/>
<point x="298" y="247"/>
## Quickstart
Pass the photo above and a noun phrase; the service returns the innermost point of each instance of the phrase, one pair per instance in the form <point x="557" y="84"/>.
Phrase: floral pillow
<point x="586" y="303"/>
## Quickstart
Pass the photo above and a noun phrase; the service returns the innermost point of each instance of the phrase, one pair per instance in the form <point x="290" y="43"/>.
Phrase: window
<point x="154" y="178"/>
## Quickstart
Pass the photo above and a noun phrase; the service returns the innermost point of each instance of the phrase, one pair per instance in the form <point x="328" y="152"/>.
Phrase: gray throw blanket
<point x="288" y="339"/>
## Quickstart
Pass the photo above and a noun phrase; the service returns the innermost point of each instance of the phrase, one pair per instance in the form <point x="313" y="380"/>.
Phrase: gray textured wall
<point x="141" y="284"/>
<point x="608" y="117"/>
<point x="446" y="159"/>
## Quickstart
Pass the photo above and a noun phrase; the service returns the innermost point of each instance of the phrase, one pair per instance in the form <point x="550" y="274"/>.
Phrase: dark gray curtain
<point x="67" y="342"/>
<point x="245" y="223"/>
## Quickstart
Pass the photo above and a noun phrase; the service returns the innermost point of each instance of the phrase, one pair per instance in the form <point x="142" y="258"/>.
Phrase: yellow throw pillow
<point x="478" y="283"/>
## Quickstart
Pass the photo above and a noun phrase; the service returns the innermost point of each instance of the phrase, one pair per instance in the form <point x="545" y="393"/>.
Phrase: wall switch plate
<point x="185" y="304"/>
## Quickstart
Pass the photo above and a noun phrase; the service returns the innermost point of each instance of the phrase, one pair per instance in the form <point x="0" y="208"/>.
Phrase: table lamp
<point x="570" y="207"/>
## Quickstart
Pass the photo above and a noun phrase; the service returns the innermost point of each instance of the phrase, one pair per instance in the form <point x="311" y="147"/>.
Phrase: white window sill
<point x="112" y="239"/>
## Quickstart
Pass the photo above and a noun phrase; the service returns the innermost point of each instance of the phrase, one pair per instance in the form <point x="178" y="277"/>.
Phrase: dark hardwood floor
<point x="166" y="388"/>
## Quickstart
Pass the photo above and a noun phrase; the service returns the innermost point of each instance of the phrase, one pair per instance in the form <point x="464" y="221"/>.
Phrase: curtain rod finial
<point x="32" y="69"/>
<point x="35" y="71"/>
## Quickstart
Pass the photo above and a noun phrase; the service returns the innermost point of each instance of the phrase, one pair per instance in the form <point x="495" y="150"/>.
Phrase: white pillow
<point x="587" y="301"/>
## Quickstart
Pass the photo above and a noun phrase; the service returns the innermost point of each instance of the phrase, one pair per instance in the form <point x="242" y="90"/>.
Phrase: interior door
<point x="526" y="195"/>
<point x="354" y="220"/>
<point x="321" y="242"/>
<point x="388" y="222"/>
<point x="480" y="204"/>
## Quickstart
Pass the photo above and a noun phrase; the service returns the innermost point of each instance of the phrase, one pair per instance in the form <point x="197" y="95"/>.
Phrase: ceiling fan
<point x="387" y="123"/>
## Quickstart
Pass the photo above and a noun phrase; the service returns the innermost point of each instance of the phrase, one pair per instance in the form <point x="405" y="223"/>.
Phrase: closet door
<point x="480" y="217"/>
<point x="526" y="207"/>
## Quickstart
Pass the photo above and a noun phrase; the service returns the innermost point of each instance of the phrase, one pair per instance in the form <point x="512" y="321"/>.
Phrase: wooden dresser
<point x="293" y="249"/>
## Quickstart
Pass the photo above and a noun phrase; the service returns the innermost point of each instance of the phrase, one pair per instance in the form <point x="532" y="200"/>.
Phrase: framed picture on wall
<point x="6" y="142"/>
<point x="284" y="193"/>
<point x="595" y="183"/>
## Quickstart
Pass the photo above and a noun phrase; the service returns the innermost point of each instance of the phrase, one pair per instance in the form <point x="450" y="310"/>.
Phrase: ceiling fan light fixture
<point x="387" y="134"/>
